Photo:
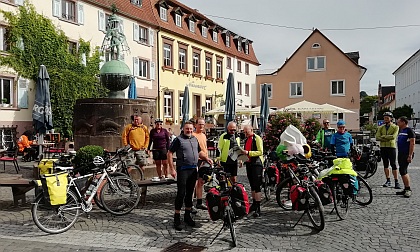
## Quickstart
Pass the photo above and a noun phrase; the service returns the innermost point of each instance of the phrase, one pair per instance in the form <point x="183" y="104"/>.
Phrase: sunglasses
<point x="326" y="122"/>
<point x="232" y="130"/>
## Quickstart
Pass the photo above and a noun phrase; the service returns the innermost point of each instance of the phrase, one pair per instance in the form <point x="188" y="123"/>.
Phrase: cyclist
<point x="137" y="136"/>
<point x="160" y="138"/>
<point x="254" y="166"/>
<point x="202" y="141"/>
<point x="324" y="135"/>
<point x="406" y="144"/>
<point x="229" y="142"/>
<point x="341" y="141"/>
<point x="387" y="135"/>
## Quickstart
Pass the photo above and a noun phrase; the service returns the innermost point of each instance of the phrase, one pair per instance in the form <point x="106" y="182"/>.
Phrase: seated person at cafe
<point x="24" y="144"/>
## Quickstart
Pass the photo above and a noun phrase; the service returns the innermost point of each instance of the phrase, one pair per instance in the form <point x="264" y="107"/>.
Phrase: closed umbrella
<point x="264" y="111"/>
<point x="230" y="112"/>
<point x="132" y="91"/>
<point x="185" y="107"/>
<point x="41" y="112"/>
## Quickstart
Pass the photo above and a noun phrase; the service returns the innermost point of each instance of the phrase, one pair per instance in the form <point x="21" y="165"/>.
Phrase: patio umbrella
<point x="336" y="109"/>
<point x="185" y="107"/>
<point x="264" y="111"/>
<point x="132" y="92"/>
<point x="230" y="112"/>
<point x="41" y="112"/>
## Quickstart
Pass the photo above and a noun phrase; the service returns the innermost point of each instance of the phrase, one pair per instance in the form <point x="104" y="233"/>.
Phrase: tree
<point x="276" y="125"/>
<point x="34" y="40"/>
<point x="363" y="94"/>
<point x="367" y="103"/>
<point x="403" y="111"/>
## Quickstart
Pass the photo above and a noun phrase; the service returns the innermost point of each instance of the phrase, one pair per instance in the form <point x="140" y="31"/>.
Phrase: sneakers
<point x="201" y="206"/>
<point x="257" y="213"/>
<point x="397" y="185"/>
<point x="405" y="193"/>
<point x="387" y="184"/>
<point x="400" y="192"/>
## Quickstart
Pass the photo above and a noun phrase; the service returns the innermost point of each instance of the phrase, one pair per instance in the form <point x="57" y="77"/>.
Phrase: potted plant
<point x="4" y="102"/>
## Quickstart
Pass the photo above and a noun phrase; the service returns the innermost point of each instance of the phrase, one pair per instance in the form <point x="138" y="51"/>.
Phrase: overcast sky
<point x="382" y="51"/>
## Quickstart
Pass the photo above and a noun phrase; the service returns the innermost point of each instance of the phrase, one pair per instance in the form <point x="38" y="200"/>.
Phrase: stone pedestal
<point x="100" y="121"/>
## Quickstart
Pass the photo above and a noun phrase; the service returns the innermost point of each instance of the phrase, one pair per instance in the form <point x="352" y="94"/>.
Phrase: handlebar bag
<point x="240" y="201"/>
<point x="55" y="187"/>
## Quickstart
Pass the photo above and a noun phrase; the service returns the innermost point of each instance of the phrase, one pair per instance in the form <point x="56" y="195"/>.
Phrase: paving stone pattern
<point x="390" y="223"/>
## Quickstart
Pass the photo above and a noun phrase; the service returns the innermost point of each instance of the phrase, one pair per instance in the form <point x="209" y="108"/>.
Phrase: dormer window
<point x="227" y="40"/>
<point x="215" y="34"/>
<point x="178" y="20"/>
<point x="239" y="45"/>
<point x="163" y="13"/>
<point x="246" y="48"/>
<point x="137" y="2"/>
<point x="316" y="45"/>
<point x="192" y="26"/>
<point x="204" y="31"/>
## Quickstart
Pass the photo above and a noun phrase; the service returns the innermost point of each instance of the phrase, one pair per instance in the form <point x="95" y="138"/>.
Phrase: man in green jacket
<point x="228" y="141"/>
<point x="324" y="135"/>
<point x="387" y="135"/>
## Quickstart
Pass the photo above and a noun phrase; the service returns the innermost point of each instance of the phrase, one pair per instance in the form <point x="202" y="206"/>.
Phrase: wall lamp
<point x="352" y="99"/>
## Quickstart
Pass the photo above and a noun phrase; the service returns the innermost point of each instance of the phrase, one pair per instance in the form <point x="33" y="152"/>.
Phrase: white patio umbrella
<point x="221" y="110"/>
<point x="336" y="109"/>
<point x="305" y="107"/>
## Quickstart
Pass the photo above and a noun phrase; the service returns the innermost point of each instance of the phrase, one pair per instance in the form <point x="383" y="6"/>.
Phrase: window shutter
<point x="80" y="14"/>
<point x="102" y="60"/>
<point x="136" y="32"/>
<point x="83" y="60"/>
<point x="19" y="2"/>
<point x="136" y="66"/>
<point x="121" y="28"/>
<point x="101" y="20"/>
<point x="152" y="70"/>
<point x="56" y="8"/>
<point x="22" y="93"/>
<point x="151" y="36"/>
<point x="1" y="38"/>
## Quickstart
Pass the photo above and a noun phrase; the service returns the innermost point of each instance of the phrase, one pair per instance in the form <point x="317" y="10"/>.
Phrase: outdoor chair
<point x="11" y="156"/>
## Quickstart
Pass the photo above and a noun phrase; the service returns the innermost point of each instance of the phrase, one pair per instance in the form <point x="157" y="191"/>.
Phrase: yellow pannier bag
<point x="55" y="187"/>
<point x="46" y="166"/>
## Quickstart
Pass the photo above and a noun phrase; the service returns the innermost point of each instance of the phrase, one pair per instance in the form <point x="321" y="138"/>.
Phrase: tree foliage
<point x="35" y="41"/>
<point x="276" y="125"/>
<point x="363" y="94"/>
<point x="367" y="103"/>
<point x="380" y="115"/>
<point x="403" y="111"/>
<point x="311" y="128"/>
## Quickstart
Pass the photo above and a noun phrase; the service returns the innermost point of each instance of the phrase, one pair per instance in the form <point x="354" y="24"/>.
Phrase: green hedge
<point x="84" y="157"/>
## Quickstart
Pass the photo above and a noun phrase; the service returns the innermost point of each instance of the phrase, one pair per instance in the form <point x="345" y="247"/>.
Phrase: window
<point x="208" y="67"/>
<point x="228" y="63"/>
<point x="219" y="69"/>
<point x="215" y="34"/>
<point x="204" y="31"/>
<point x="209" y="103"/>
<point x="167" y="104"/>
<point x="335" y="117"/>
<point x="167" y="55"/>
<point x="316" y="45"/>
<point x="239" y="45"/>
<point x="239" y="88"/>
<point x="337" y="87"/>
<point x="239" y="66"/>
<point x="182" y="59"/>
<point x="192" y="25"/>
<point x="246" y="48"/>
<point x="178" y="20"/>
<point x="6" y="90"/>
<point x="72" y="47"/>
<point x="163" y="13"/>
<point x="227" y="40"/>
<point x="17" y="2"/>
<point x="296" y="89"/>
<point x="181" y="101"/>
<point x="143" y="35"/>
<point x="269" y="88"/>
<point x="68" y="10"/>
<point x="196" y="63"/>
<point x="143" y="68"/>
<point x="246" y="89"/>
<point x="136" y="2"/>
<point x="316" y="63"/>
<point x="4" y="46"/>
<point x="246" y="68"/>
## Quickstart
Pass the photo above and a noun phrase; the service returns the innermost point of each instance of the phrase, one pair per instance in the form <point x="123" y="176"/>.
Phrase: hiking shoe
<point x="407" y="194"/>
<point x="194" y="210"/>
<point x="201" y="206"/>
<point x="188" y="220"/>
<point x="387" y="184"/>
<point x="253" y="207"/>
<point x="177" y="223"/>
<point x="400" y="192"/>
<point x="397" y="185"/>
<point x="256" y="214"/>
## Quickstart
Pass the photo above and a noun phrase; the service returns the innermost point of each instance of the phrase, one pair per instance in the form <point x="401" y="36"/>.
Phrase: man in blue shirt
<point x="341" y="141"/>
<point x="405" y="142"/>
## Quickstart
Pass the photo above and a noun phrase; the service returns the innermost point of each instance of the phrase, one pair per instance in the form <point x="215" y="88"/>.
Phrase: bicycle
<point x="365" y="161"/>
<point x="56" y="219"/>
<point x="224" y="186"/>
<point x="267" y="183"/>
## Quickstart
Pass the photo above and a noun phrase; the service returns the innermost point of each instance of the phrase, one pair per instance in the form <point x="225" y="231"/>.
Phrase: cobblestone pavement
<point x="390" y="223"/>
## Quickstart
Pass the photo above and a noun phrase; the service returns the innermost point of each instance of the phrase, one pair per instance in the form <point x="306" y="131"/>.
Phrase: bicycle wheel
<point x="97" y="197"/>
<point x="316" y="209"/>
<point x="229" y="222"/>
<point x="341" y="201"/>
<point x="135" y="173"/>
<point x="266" y="186"/>
<point x="283" y="194"/>
<point x="364" y="194"/>
<point x="55" y="219"/>
<point x="373" y="167"/>
<point x="120" y="195"/>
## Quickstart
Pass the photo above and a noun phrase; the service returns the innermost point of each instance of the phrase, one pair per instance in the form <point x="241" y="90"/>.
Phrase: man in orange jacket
<point x="137" y="136"/>
<point x="25" y="146"/>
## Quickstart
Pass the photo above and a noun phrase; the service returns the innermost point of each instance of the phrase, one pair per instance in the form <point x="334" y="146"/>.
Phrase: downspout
<point x="158" y="73"/>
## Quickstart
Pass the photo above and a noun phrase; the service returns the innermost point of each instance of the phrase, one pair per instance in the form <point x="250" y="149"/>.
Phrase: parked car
<point x="417" y="131"/>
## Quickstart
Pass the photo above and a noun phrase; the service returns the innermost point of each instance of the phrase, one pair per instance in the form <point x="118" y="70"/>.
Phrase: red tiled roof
<point x="184" y="31"/>
<point x="126" y="8"/>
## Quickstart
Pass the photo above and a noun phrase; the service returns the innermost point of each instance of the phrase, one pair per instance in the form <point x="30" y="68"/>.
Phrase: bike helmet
<point x="158" y="120"/>
<point x="98" y="160"/>
<point x="388" y="114"/>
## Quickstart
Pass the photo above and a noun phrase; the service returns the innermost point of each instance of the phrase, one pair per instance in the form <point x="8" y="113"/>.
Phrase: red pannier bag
<point x="297" y="196"/>
<point x="273" y="175"/>
<point x="213" y="202"/>
<point x="240" y="201"/>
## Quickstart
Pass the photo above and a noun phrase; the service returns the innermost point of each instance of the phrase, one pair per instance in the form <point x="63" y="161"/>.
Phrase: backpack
<point x="298" y="197"/>
<point x="213" y="202"/>
<point x="324" y="192"/>
<point x="273" y="175"/>
<point x="240" y="201"/>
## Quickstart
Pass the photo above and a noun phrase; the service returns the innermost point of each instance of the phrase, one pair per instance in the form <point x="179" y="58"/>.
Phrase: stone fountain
<point x="100" y="121"/>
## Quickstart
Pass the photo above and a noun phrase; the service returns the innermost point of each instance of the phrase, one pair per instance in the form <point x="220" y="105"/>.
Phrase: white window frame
<point x="208" y="67"/>
<point x="335" y="117"/>
<point x="3" y="45"/>
<point x="228" y="62"/>
<point x="208" y="103"/>
<point x="167" y="56"/>
<point x="246" y="68"/>
<point x="239" y="88"/>
<point x="163" y="13"/>
<point x="270" y="90"/>
<point x="204" y="31"/>
<point x="182" y="57"/>
<point x="10" y="99"/>
<point x="196" y="63"/>
<point x="219" y="69"/>
<point x="215" y="35"/>
<point x="227" y="40"/>
<point x="246" y="48"/>
<point x="293" y="86"/>
<point x="316" y="67"/>
<point x="181" y="102"/>
<point x="332" y="82"/>
<point x="247" y="89"/>
<point x="239" y="45"/>
<point x="167" y="104"/>
<point x="178" y="20"/>
<point x="143" y="35"/>
<point x="191" y="25"/>
<point x="143" y="68"/>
